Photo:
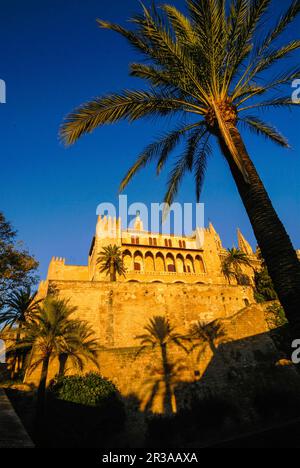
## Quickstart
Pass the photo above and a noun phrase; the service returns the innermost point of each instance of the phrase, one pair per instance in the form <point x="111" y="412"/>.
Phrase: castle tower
<point x="138" y="223"/>
<point x="108" y="232"/>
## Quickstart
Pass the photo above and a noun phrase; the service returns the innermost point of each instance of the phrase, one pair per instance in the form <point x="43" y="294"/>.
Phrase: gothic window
<point x="154" y="241"/>
<point x="169" y="243"/>
<point x="150" y="241"/>
<point x="166" y="242"/>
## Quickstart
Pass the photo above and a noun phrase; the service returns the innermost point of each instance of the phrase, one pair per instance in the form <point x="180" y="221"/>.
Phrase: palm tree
<point x="160" y="333"/>
<point x="52" y="332"/>
<point x="80" y="346"/>
<point x="19" y="307"/>
<point x="111" y="261"/>
<point x="232" y="263"/>
<point x="209" y="68"/>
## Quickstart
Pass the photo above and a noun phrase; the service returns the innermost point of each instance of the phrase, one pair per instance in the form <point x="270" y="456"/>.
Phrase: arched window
<point x="189" y="264"/>
<point x="159" y="262"/>
<point x="150" y="241"/>
<point x="149" y="262"/>
<point x="199" y="265"/>
<point x="170" y="263"/>
<point x="138" y="261"/>
<point x="180" y="264"/>
<point x="127" y="259"/>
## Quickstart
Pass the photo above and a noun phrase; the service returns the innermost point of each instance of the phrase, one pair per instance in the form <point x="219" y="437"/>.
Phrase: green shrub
<point x="84" y="411"/>
<point x="89" y="389"/>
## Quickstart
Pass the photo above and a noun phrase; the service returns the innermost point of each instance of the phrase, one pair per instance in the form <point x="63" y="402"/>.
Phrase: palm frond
<point x="183" y="164"/>
<point x="159" y="150"/>
<point x="261" y="128"/>
<point x="130" y="105"/>
<point x="276" y="102"/>
<point x="291" y="13"/>
<point x="200" y="164"/>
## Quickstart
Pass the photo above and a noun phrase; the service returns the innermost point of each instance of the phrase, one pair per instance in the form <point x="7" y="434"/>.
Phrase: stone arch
<point x="189" y="264"/>
<point x="178" y="282"/>
<point x="159" y="262"/>
<point x="127" y="259"/>
<point x="180" y="267"/>
<point x="138" y="261"/>
<point x="149" y="262"/>
<point x="199" y="264"/>
<point x="170" y="262"/>
<point x="157" y="281"/>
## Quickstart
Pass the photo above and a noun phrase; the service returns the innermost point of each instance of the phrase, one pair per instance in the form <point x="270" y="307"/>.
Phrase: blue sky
<point x="54" y="57"/>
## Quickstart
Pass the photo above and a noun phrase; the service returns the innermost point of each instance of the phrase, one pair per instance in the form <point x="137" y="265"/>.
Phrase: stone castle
<point x="154" y="257"/>
<point x="179" y="277"/>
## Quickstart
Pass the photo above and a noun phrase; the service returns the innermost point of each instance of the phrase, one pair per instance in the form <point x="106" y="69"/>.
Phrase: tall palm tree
<point x="19" y="307"/>
<point x="232" y="263"/>
<point x="111" y="261"/>
<point x="50" y="332"/>
<point x="160" y="333"/>
<point x="210" y="69"/>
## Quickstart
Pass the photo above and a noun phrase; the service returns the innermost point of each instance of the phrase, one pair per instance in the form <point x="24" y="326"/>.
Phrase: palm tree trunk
<point x="273" y="240"/>
<point x="41" y="392"/>
<point x="168" y="393"/>
<point x="112" y="271"/>
<point x="62" y="364"/>
<point x="16" y="362"/>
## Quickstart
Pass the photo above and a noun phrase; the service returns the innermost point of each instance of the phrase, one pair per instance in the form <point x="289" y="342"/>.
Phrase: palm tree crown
<point x="205" y="68"/>
<point x="233" y="262"/>
<point x="111" y="261"/>
<point x="210" y="69"/>
<point x="19" y="306"/>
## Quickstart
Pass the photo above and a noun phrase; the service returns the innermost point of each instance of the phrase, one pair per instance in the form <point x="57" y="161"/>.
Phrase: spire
<point x="244" y="245"/>
<point x="138" y="223"/>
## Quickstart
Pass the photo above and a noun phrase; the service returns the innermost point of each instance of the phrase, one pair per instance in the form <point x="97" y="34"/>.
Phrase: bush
<point x="83" y="411"/>
<point x="90" y="389"/>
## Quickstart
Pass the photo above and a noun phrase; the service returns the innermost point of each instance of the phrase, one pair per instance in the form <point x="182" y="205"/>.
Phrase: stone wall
<point x="118" y="313"/>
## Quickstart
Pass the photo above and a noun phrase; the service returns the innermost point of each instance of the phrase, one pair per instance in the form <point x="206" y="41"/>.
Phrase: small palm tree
<point x="212" y="69"/>
<point x="52" y="332"/>
<point x="232" y="263"/>
<point x="80" y="346"/>
<point x="111" y="261"/>
<point x="19" y="307"/>
<point x="160" y="333"/>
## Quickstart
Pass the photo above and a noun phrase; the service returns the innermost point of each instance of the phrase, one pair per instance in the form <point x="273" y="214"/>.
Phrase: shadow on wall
<point x="241" y="389"/>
